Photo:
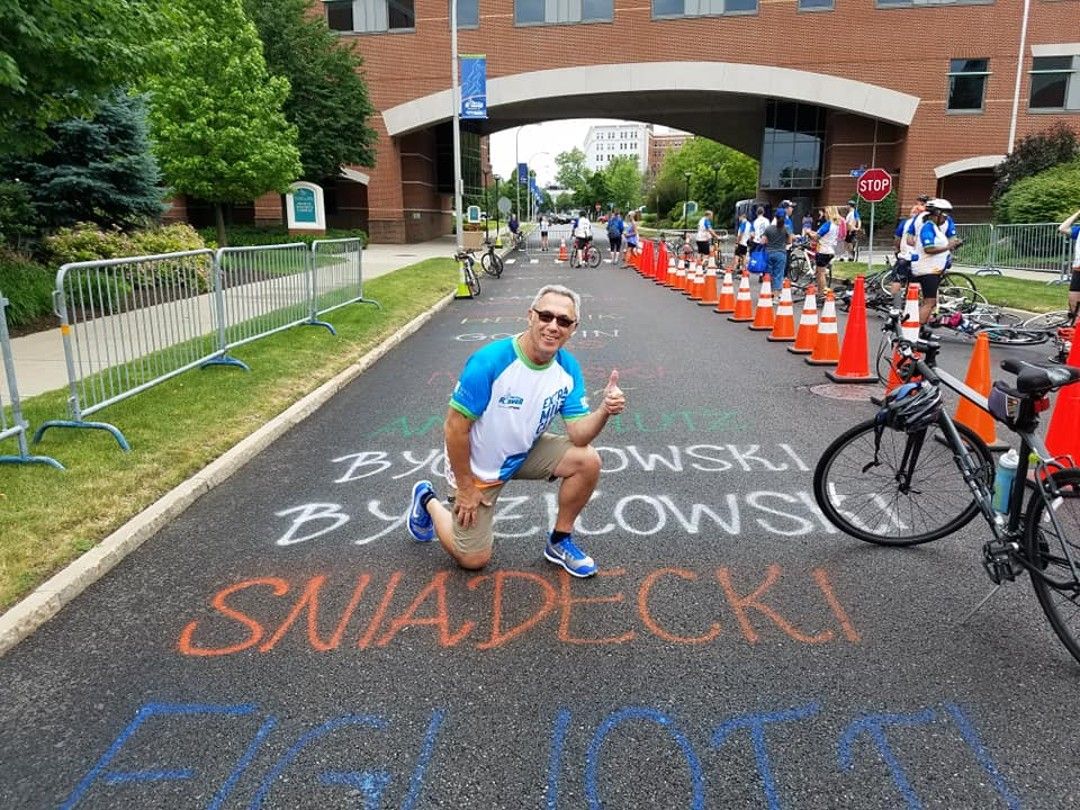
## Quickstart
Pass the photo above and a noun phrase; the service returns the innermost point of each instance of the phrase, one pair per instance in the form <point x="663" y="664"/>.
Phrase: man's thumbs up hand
<point x="614" y="398"/>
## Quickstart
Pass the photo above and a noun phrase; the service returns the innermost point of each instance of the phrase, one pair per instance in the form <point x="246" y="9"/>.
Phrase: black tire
<point x="592" y="257"/>
<point x="472" y="281"/>
<point x="797" y="269"/>
<point x="940" y="504"/>
<point x="492" y="264"/>
<point x="954" y="279"/>
<point x="883" y="362"/>
<point x="1005" y="336"/>
<point x="1055" y="586"/>
<point x="574" y="261"/>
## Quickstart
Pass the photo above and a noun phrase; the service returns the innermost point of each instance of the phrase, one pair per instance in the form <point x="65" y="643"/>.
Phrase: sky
<point x="538" y="145"/>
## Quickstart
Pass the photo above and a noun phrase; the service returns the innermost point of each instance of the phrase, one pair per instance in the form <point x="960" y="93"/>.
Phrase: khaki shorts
<point x="539" y="465"/>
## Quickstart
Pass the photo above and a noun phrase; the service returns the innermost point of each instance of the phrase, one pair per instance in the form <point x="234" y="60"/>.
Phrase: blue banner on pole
<point x="474" y="86"/>
<point x="523" y="173"/>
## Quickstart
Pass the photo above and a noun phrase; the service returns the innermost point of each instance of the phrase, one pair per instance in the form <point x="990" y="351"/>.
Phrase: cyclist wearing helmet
<point x="934" y="250"/>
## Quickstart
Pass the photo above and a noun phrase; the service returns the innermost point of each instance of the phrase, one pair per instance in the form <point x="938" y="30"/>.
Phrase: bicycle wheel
<point x="492" y="264"/>
<point x="797" y="269"/>
<point x="866" y="500"/>
<point x="1048" y="320"/>
<point x="1056" y="588"/>
<point x="1007" y="336"/>
<point x="954" y="279"/>
<point x="592" y="257"/>
<point x="575" y="261"/>
<point x="883" y="363"/>
<point x="472" y="281"/>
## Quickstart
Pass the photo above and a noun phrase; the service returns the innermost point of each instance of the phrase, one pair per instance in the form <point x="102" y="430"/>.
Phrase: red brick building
<point x="812" y="88"/>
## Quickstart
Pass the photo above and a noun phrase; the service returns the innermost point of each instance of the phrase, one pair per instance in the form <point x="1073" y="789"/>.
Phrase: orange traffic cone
<point x="1063" y="435"/>
<point x="660" y="266"/>
<point x="807" y="334"/>
<point x="709" y="298"/>
<point x="697" y="289"/>
<point x="763" y="315"/>
<point x="978" y="379"/>
<point x="727" y="295"/>
<point x="680" y="276"/>
<point x="827" y="346"/>
<point x="647" y="265"/>
<point x="909" y="330"/>
<point x="854" y="365"/>
<point x="744" y="311"/>
<point x="784" y="328"/>
<point x="564" y="254"/>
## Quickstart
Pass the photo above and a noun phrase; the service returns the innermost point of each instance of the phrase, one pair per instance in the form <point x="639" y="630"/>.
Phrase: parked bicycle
<point x="887" y="480"/>
<point x="490" y="260"/>
<point x="467" y="265"/>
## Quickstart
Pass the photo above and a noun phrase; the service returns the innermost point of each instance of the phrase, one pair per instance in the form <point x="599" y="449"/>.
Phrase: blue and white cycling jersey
<point x="1074" y="235"/>
<point x="513" y="401"/>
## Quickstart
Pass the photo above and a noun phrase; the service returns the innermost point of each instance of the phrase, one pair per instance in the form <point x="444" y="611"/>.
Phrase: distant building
<point x="660" y="145"/>
<point x="605" y="142"/>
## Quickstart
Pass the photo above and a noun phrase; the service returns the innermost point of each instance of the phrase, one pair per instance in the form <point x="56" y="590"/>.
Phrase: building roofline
<point x="967" y="164"/>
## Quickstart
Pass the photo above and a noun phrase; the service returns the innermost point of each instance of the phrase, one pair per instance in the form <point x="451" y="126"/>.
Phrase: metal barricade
<point x="14" y="425"/>
<point x="1038" y="247"/>
<point x="129" y="324"/>
<point x="260" y="291"/>
<point x="337" y="275"/>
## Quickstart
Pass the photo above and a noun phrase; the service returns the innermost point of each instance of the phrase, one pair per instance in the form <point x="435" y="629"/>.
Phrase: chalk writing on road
<point x="262" y="613"/>
<point x="235" y="756"/>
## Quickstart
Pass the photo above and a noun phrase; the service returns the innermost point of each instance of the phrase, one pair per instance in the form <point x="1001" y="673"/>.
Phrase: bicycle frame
<point x="1007" y="529"/>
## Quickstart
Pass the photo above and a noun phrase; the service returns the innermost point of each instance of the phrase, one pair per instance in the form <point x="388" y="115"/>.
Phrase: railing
<point x="1038" y="247"/>
<point x="129" y="324"/>
<point x="14" y="426"/>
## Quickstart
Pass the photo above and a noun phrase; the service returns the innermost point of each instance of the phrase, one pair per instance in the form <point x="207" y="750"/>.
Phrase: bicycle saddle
<point x="1033" y="379"/>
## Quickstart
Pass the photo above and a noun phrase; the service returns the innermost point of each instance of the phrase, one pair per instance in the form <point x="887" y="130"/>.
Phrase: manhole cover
<point x="850" y="393"/>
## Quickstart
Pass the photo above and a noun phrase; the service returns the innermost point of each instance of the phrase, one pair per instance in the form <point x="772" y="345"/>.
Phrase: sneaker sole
<point x="567" y="568"/>
<point x="416" y="486"/>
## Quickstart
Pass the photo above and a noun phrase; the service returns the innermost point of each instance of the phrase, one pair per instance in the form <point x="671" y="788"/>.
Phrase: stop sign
<point x="874" y="185"/>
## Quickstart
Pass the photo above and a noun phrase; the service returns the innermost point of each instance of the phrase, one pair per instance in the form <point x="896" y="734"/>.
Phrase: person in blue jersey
<point x="496" y="429"/>
<point x="904" y="250"/>
<point x="935" y="247"/>
<point x="1072" y="230"/>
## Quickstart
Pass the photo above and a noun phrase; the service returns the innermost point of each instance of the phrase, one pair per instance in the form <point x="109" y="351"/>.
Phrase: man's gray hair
<point x="559" y="289"/>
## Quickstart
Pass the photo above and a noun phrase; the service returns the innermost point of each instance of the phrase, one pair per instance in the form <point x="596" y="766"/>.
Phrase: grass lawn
<point x="1031" y="295"/>
<point x="48" y="517"/>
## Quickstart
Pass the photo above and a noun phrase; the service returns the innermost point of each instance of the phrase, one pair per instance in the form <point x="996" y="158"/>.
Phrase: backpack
<point x="612" y="228"/>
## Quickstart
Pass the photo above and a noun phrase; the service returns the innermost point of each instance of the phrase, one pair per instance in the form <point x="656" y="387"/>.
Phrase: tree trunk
<point x="219" y="221"/>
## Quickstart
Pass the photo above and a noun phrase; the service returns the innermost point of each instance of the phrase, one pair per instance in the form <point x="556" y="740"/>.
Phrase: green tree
<point x="623" y="178"/>
<point x="1049" y="196"/>
<point x="886" y="214"/>
<point x="57" y="57"/>
<point x="99" y="169"/>
<point x="734" y="177"/>
<point x="1034" y="154"/>
<point x="328" y="100"/>
<point x="572" y="172"/>
<point x="216" y="114"/>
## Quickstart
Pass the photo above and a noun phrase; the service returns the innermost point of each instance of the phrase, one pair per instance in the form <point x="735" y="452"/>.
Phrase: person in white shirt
<point x="1072" y="230"/>
<point x="827" y="235"/>
<point x="704" y="236"/>
<point x="544" y="224"/>
<point x="760" y="224"/>
<point x="934" y="249"/>
<point x="742" y="241"/>
<point x="582" y="236"/>
<point x="852" y="224"/>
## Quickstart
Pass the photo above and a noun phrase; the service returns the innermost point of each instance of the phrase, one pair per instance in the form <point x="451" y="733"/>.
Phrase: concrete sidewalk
<point x="39" y="357"/>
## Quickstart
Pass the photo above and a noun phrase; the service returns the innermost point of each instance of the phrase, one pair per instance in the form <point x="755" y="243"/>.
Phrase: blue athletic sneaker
<point x="421" y="526"/>
<point x="576" y="562"/>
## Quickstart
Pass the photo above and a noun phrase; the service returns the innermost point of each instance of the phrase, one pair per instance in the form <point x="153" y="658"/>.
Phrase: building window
<point x="370" y="16"/>
<point x="792" y="146"/>
<point x="538" y="12"/>
<point x="815" y="5"/>
<point x="967" y="84"/>
<point x="1054" y="85"/>
<point x="702" y="8"/>
<point x="468" y="13"/>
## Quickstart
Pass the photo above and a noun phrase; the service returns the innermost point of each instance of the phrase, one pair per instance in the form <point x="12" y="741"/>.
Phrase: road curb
<point x="43" y="603"/>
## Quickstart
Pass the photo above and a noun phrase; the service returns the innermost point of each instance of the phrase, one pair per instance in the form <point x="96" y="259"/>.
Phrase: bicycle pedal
<point x="998" y="562"/>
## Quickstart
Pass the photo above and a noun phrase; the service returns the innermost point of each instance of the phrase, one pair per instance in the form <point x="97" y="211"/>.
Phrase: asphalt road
<point x="286" y="644"/>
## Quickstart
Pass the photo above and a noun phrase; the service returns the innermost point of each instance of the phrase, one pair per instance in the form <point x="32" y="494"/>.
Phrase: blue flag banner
<point x="523" y="173"/>
<point x="474" y="86"/>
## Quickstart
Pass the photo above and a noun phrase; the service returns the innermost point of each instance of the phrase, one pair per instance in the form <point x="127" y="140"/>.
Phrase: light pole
<point x="686" y="204"/>
<point x="498" y="227"/>
<point x="456" y="101"/>
<point x="487" y="207"/>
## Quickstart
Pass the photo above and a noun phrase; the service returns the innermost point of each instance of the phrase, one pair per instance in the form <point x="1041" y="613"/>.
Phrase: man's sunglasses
<point x="548" y="317"/>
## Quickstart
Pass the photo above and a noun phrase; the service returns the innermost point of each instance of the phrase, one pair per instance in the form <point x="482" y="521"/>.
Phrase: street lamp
<point x="498" y="227"/>
<point x="686" y="204"/>
<point x="532" y="182"/>
<point x="487" y="206"/>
